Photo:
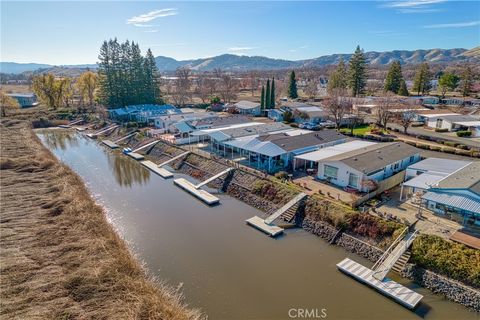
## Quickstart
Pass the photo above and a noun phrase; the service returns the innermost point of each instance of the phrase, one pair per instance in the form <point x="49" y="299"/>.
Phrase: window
<point x="396" y="165"/>
<point x="412" y="158"/>
<point x="330" y="172"/>
<point x="353" y="180"/>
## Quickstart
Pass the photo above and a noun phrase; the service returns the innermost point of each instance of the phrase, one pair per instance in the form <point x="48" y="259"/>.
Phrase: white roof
<point x="233" y="126"/>
<point x="250" y="143"/>
<point x="433" y="115"/>
<point x="296" y="132"/>
<point x="425" y="180"/>
<point x="247" y="105"/>
<point x="334" y="150"/>
<point x="309" y="109"/>
<point x="468" y="123"/>
<point x="438" y="165"/>
<point x="454" y="200"/>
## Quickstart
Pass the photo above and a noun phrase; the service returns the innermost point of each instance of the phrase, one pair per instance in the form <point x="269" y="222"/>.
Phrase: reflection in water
<point x="60" y="139"/>
<point x="126" y="171"/>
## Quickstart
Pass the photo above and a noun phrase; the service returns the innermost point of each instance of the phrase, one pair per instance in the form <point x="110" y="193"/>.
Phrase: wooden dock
<point x="270" y="229"/>
<point x="110" y="144"/>
<point x="199" y="193"/>
<point x="387" y="287"/>
<point x="164" y="173"/>
<point x="135" y="155"/>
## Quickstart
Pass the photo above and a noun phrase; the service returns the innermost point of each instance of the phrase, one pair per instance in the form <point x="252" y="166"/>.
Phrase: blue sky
<point x="72" y="32"/>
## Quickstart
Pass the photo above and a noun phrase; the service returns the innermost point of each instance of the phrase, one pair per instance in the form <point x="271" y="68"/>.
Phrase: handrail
<point x="387" y="252"/>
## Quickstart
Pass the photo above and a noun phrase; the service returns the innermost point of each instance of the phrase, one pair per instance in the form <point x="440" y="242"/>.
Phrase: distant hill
<point x="233" y="62"/>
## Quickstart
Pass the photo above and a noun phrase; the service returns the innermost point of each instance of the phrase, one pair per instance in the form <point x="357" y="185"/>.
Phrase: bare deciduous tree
<point x="338" y="105"/>
<point x="182" y="94"/>
<point x="228" y="86"/>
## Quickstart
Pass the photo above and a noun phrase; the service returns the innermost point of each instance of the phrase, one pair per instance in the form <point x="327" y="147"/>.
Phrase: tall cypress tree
<point x="267" y="95"/>
<point x="262" y="98"/>
<point x="292" y="86"/>
<point x="357" y="68"/>
<point x="152" y="79"/>
<point x="394" y="77"/>
<point x="272" y="95"/>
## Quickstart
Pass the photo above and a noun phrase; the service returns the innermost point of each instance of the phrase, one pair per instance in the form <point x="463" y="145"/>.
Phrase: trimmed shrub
<point x="294" y="125"/>
<point x="435" y="148"/>
<point x="441" y="130"/>
<point x="423" y="146"/>
<point x="412" y="143"/>
<point x="359" y="135"/>
<point x="464" y="133"/>
<point x="448" y="150"/>
<point x="462" y="146"/>
<point x="450" y="143"/>
<point x="463" y="152"/>
<point x="282" y="175"/>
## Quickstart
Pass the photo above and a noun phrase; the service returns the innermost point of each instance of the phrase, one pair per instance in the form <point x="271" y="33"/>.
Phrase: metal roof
<point x="440" y="165"/>
<point x="246" y="104"/>
<point x="424" y="180"/>
<point x="454" y="200"/>
<point x="328" y="152"/>
<point x="295" y="142"/>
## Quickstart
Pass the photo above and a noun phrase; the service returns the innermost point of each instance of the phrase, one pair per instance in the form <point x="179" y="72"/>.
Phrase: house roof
<point x="435" y="112"/>
<point x="454" y="200"/>
<point x="242" y="131"/>
<point x="328" y="152"/>
<point x="468" y="177"/>
<point x="247" y="105"/>
<point x="221" y="121"/>
<point x="438" y="165"/>
<point x="460" y="118"/>
<point x="295" y="142"/>
<point x="375" y="157"/>
<point x="295" y="105"/>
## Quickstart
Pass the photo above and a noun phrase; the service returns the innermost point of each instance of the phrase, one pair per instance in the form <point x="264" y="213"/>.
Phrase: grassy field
<point x="59" y="256"/>
<point x="361" y="129"/>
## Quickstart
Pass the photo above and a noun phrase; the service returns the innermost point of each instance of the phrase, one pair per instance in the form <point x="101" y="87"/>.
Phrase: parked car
<point x="127" y="150"/>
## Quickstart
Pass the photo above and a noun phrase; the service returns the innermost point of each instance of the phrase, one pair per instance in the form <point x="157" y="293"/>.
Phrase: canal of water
<point x="226" y="268"/>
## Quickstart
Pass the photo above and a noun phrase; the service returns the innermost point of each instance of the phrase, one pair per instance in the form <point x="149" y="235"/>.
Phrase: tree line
<point x="125" y="76"/>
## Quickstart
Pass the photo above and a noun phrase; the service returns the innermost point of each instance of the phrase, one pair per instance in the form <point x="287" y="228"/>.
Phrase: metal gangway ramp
<point x="218" y="175"/>
<point x="388" y="259"/>
<point x="267" y="225"/>
<point x="128" y="135"/>
<point x="95" y="134"/>
<point x="173" y="159"/>
<point x="146" y="145"/>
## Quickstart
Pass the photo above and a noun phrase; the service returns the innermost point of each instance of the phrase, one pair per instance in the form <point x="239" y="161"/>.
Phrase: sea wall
<point x="350" y="243"/>
<point x="451" y="289"/>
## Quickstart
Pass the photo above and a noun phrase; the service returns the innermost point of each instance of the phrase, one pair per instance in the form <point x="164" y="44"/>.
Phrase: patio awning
<point x="423" y="181"/>
<point x="454" y="200"/>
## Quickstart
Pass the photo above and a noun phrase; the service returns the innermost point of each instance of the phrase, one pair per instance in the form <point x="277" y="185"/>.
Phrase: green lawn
<point x="361" y="129"/>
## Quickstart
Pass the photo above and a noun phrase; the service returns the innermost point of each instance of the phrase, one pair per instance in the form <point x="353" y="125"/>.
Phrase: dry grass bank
<point x="59" y="257"/>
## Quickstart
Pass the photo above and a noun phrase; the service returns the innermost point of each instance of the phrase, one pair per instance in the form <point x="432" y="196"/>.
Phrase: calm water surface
<point x="229" y="270"/>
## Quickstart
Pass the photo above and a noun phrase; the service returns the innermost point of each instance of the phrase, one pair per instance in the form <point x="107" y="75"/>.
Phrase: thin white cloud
<point x="412" y="3"/>
<point x="178" y="44"/>
<point x="418" y="10"/>
<point x="151" y="31"/>
<point x="238" y="49"/>
<point x="453" y="25"/>
<point x="141" y="20"/>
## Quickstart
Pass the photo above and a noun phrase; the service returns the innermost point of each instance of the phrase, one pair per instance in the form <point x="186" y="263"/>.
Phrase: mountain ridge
<point x="231" y="62"/>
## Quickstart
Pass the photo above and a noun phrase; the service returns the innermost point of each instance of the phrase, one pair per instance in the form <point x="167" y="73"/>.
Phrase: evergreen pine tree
<point x="152" y="79"/>
<point x="262" y="98"/>
<point x="292" y="86"/>
<point x="403" y="91"/>
<point x="357" y="69"/>
<point x="394" y="77"/>
<point x="272" y="95"/>
<point x="267" y="95"/>
<point x="467" y="81"/>
<point x="421" y="82"/>
<point x="338" y="79"/>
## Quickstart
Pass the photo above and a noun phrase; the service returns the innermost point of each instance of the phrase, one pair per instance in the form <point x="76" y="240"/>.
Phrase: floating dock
<point x="266" y="225"/>
<point x="199" y="193"/>
<point x="110" y="144"/>
<point x="389" y="288"/>
<point x="270" y="229"/>
<point x="136" y="156"/>
<point x="164" y="173"/>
